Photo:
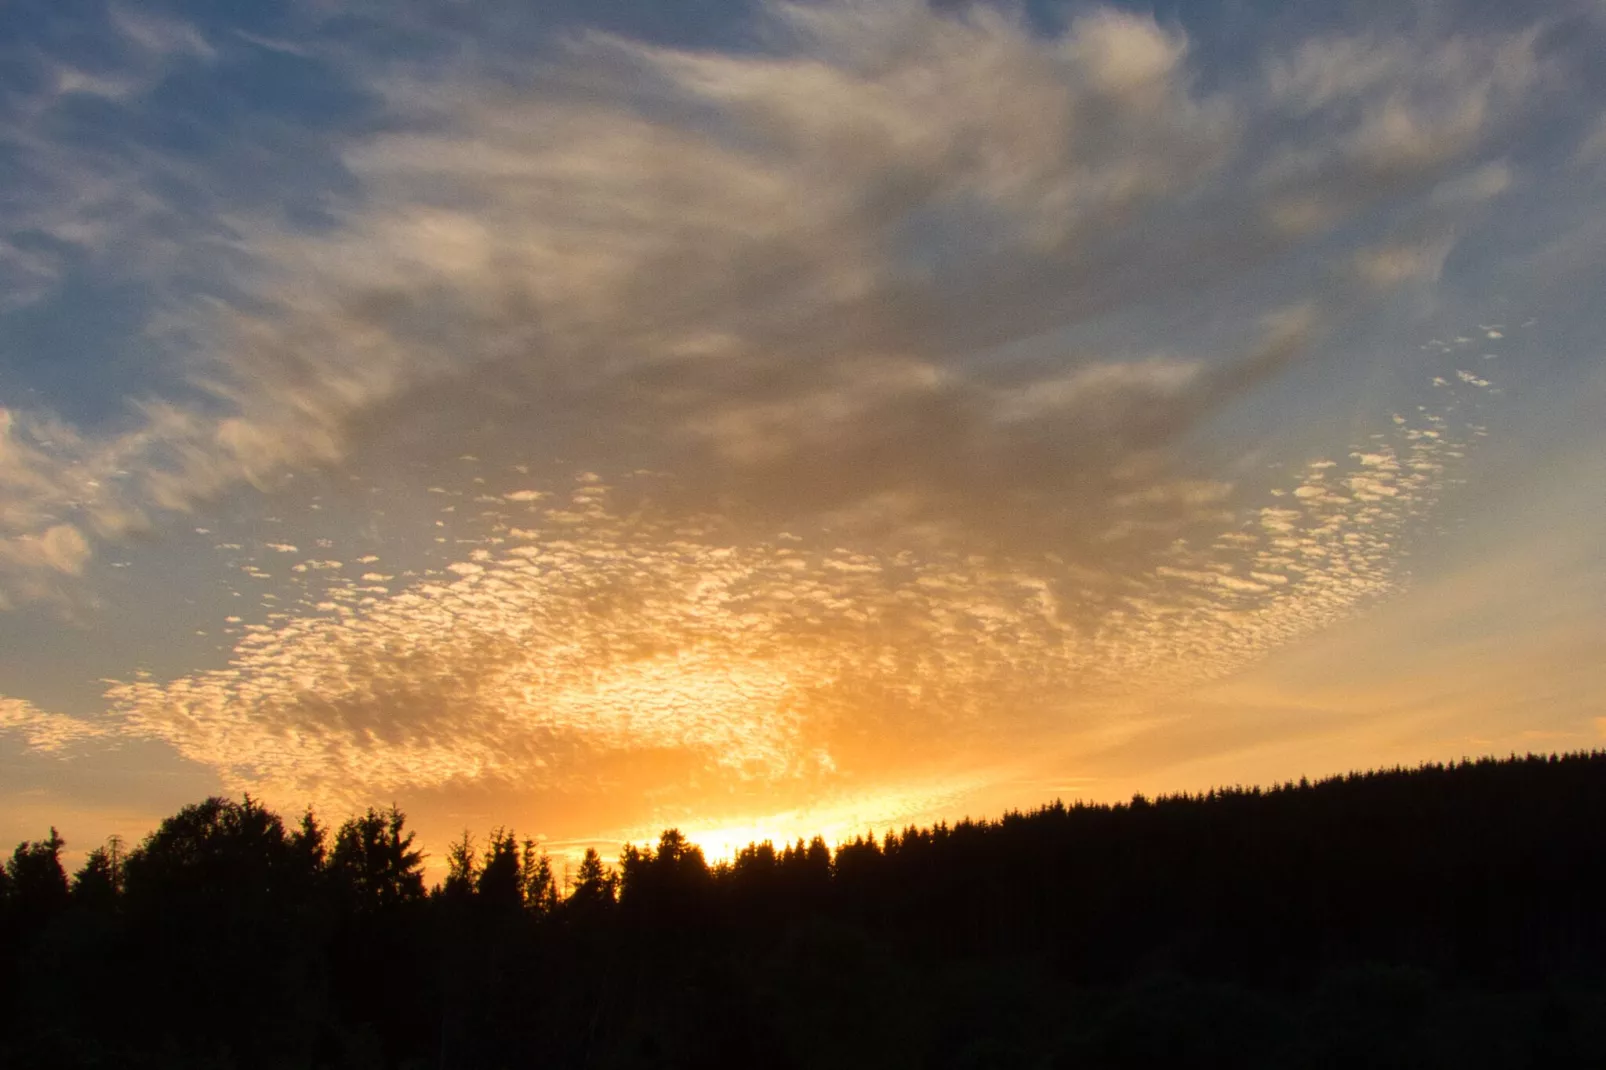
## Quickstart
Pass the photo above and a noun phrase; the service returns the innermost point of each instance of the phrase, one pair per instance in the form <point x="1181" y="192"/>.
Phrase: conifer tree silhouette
<point x="373" y="862"/>
<point x="1437" y="916"/>
<point x="37" y="882"/>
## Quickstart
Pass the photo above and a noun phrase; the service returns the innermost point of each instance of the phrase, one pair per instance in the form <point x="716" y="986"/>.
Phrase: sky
<point x="772" y="419"/>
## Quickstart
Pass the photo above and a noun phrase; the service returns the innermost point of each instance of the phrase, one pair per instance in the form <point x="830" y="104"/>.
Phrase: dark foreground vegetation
<point x="1435" y="917"/>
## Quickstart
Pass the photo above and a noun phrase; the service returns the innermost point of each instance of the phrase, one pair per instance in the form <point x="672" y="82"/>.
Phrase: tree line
<point x="1442" y="915"/>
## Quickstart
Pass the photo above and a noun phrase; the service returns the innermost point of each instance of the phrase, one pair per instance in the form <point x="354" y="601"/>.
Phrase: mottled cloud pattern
<point x="821" y="406"/>
<point x="49" y="732"/>
<point x="571" y="631"/>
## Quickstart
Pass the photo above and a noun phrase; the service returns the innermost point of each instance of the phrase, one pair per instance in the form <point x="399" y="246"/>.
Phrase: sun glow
<point x="870" y="814"/>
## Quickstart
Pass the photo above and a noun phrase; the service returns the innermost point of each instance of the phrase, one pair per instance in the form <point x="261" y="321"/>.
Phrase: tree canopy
<point x="1437" y="916"/>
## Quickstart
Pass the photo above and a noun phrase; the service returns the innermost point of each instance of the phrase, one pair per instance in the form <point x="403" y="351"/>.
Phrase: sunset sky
<point x="768" y="419"/>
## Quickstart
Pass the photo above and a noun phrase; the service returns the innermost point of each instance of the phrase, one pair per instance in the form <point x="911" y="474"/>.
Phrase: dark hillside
<point x="1439" y="916"/>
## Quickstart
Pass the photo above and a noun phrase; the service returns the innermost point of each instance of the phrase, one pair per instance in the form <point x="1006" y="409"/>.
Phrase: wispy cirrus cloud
<point x="774" y="269"/>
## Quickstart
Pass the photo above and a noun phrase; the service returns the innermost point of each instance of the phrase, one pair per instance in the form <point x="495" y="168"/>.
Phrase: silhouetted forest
<point x="1448" y="916"/>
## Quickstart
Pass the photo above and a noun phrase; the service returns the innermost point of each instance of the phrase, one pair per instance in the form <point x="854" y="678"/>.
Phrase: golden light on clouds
<point x="573" y="631"/>
<point x="878" y="419"/>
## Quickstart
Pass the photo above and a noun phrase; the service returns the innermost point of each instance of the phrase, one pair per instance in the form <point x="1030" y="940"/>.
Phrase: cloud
<point x="48" y="732"/>
<point x="1378" y="117"/>
<point x="77" y="191"/>
<point x="1396" y="264"/>
<point x="1592" y="149"/>
<point x="778" y="274"/>
<point x="60" y="548"/>
<point x="159" y="35"/>
<point x="581" y="633"/>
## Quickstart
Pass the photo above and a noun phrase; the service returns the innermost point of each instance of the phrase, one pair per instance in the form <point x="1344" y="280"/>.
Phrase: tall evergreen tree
<point x="462" y="868"/>
<point x="594" y="886"/>
<point x="500" y="881"/>
<point x="39" y="888"/>
<point x="98" y="884"/>
<point x="374" y="865"/>
<point x="540" y="884"/>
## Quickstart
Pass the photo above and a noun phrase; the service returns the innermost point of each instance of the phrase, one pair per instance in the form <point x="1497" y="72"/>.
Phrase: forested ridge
<point x="1435" y="916"/>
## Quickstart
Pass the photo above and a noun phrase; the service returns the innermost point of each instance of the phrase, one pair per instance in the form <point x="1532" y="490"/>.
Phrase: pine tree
<point x="39" y="886"/>
<point x="539" y="885"/>
<point x="373" y="864"/>
<point x="99" y="883"/>
<point x="594" y="885"/>
<point x="499" y="883"/>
